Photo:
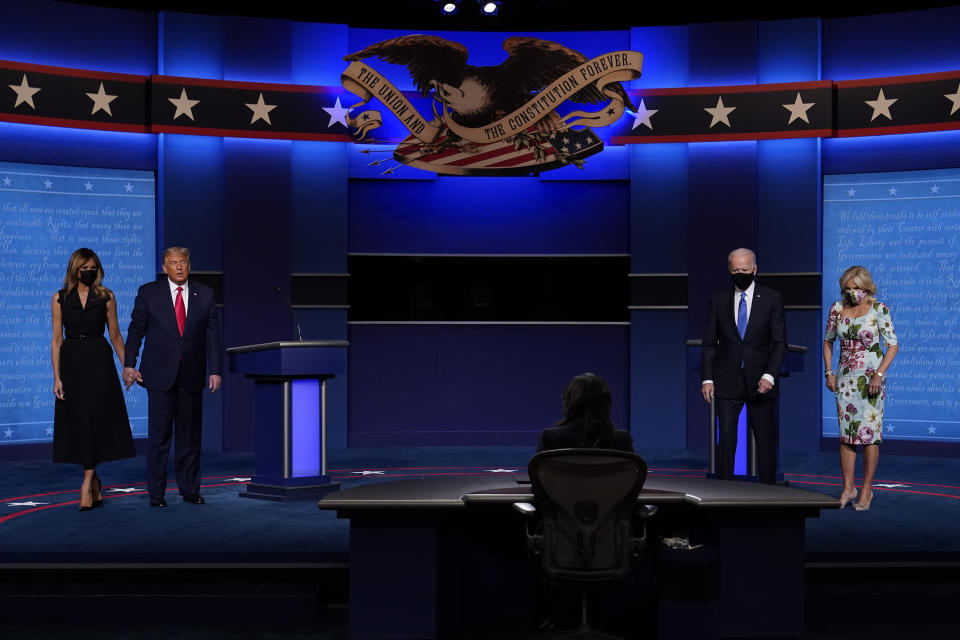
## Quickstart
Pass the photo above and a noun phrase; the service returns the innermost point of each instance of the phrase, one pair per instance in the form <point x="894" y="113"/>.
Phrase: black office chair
<point x="586" y="526"/>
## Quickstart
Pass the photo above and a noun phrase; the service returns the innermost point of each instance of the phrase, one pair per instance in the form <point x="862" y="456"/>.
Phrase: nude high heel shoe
<point x="847" y="497"/>
<point x="863" y="507"/>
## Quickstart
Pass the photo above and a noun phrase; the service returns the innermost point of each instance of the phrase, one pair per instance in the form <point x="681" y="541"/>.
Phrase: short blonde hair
<point x="180" y="251"/>
<point x="860" y="278"/>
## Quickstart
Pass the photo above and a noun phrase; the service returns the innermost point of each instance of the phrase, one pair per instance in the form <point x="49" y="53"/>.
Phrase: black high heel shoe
<point x="99" y="502"/>
<point x="83" y="508"/>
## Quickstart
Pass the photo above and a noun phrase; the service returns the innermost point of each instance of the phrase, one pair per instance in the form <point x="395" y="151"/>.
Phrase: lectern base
<point x="284" y="489"/>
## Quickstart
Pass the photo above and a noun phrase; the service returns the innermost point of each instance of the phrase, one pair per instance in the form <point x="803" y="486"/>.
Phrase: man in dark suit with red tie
<point x="744" y="344"/>
<point x="179" y="320"/>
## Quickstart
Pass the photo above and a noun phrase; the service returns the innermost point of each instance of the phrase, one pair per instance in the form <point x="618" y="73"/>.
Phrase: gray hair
<point x="742" y="252"/>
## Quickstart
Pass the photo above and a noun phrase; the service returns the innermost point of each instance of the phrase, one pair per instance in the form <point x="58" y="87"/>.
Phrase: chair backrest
<point x="587" y="498"/>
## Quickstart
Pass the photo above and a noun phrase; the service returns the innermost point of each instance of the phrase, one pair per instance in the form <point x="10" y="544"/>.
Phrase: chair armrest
<point x="525" y="509"/>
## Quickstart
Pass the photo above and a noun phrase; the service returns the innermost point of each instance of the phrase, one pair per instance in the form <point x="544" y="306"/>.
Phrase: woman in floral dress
<point x="861" y="322"/>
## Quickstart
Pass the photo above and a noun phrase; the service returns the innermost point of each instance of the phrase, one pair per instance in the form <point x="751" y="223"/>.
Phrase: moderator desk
<point x="428" y="556"/>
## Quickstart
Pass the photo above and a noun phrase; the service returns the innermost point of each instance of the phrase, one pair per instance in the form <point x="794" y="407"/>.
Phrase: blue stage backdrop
<point x="905" y="228"/>
<point x="46" y="212"/>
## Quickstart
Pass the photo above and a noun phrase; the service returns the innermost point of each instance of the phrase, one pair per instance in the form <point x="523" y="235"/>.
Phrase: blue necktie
<point x="742" y="315"/>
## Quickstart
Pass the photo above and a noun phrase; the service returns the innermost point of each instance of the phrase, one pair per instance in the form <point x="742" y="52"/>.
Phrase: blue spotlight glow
<point x="448" y="7"/>
<point x="489" y="7"/>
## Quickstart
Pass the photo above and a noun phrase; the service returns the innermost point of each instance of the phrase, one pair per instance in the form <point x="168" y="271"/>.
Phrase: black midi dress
<point x="90" y="424"/>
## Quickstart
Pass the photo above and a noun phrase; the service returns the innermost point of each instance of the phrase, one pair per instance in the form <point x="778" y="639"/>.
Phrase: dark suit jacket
<point x="762" y="349"/>
<point x="154" y="319"/>
<point x="567" y="436"/>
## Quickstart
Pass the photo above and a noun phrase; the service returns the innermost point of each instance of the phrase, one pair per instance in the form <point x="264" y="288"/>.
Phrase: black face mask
<point x="742" y="280"/>
<point x="89" y="276"/>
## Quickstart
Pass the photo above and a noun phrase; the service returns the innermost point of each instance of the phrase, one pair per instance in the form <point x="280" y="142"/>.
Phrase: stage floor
<point x="915" y="517"/>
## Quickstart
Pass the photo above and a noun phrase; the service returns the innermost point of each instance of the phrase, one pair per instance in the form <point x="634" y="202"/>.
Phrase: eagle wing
<point x="428" y="58"/>
<point x="535" y="63"/>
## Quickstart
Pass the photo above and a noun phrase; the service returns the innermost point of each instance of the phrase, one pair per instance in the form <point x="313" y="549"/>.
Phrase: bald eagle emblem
<point x="515" y="118"/>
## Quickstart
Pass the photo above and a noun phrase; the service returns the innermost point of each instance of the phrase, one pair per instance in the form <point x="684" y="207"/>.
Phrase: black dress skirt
<point x="90" y="424"/>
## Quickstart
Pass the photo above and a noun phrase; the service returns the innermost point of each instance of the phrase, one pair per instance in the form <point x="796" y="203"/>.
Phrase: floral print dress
<point x="860" y="414"/>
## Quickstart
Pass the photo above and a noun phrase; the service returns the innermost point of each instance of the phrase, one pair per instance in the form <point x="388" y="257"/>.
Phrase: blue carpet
<point x="915" y="518"/>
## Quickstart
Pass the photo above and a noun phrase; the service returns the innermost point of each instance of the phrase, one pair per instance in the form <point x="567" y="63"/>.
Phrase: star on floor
<point x="261" y="110"/>
<point x="338" y="114"/>
<point x="184" y="105"/>
<point x="31" y="503"/>
<point x="798" y="110"/>
<point x="881" y="106"/>
<point x="501" y="470"/>
<point x="101" y="101"/>
<point x="643" y="116"/>
<point x="720" y="113"/>
<point x="954" y="99"/>
<point x="368" y="473"/>
<point x="124" y="490"/>
<point x="24" y="93"/>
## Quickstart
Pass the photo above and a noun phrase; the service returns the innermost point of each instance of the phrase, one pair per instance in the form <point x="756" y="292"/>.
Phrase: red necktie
<point x="180" y="310"/>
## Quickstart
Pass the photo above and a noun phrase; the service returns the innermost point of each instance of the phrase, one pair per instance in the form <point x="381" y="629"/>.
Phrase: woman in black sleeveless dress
<point x="90" y="422"/>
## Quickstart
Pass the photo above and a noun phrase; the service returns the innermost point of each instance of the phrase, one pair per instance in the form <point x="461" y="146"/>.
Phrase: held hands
<point x="707" y="391"/>
<point x="131" y="375"/>
<point x="764" y="385"/>
<point x="58" y="389"/>
<point x="214" y="383"/>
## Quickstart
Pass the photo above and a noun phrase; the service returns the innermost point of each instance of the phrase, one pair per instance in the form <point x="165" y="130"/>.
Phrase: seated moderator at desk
<point x="586" y="418"/>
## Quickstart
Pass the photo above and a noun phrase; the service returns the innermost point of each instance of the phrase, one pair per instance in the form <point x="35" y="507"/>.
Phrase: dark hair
<point x="587" y="399"/>
<point x="77" y="259"/>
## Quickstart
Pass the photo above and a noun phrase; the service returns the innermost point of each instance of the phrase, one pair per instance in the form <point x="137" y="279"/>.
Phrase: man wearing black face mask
<point x="744" y="344"/>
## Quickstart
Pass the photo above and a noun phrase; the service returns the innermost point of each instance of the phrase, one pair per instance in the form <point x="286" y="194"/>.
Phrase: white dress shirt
<point x="185" y="293"/>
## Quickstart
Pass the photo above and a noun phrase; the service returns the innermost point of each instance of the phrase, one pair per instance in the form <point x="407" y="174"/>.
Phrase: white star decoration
<point x="643" y="116"/>
<point x="31" y="503"/>
<point x="954" y="99"/>
<point x="124" y="490"/>
<point x="720" y="113"/>
<point x="338" y="114"/>
<point x="49" y="431"/>
<point x="501" y="470"/>
<point x="934" y="189"/>
<point x="128" y="187"/>
<point x="184" y="105"/>
<point x="888" y="427"/>
<point x="24" y="93"/>
<point x="932" y="429"/>
<point x="261" y="110"/>
<point x="101" y="100"/>
<point x="87" y="186"/>
<point x="892" y="191"/>
<point x="798" y="110"/>
<point x="48" y="183"/>
<point x="368" y="473"/>
<point x="7" y="181"/>
<point x="8" y="433"/>
<point x="881" y="106"/>
<point x="851" y="192"/>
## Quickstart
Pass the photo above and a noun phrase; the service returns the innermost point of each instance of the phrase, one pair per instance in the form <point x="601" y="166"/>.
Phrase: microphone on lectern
<point x="292" y="312"/>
